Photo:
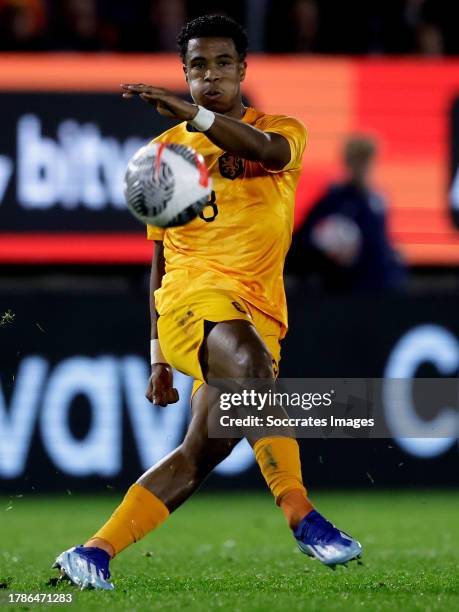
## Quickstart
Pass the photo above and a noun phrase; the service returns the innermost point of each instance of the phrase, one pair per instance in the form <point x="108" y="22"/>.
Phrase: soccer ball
<point x="166" y="184"/>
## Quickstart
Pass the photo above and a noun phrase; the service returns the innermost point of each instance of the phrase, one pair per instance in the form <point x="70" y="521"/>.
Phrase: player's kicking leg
<point x="238" y="345"/>
<point x="232" y="350"/>
<point x="148" y="503"/>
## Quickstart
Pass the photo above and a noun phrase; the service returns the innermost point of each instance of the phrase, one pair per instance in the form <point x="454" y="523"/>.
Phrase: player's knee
<point x="190" y="465"/>
<point x="201" y="459"/>
<point x="253" y="362"/>
<point x="220" y="450"/>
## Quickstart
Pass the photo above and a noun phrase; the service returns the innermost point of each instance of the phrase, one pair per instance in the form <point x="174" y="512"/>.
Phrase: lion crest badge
<point x="231" y="166"/>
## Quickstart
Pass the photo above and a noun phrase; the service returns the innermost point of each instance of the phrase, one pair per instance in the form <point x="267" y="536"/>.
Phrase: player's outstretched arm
<point x="268" y="148"/>
<point x="232" y="135"/>
<point x="160" y="388"/>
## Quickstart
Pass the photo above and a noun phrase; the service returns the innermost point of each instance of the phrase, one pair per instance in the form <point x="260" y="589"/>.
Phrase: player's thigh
<point x="270" y="331"/>
<point x="259" y="342"/>
<point x="235" y="349"/>
<point x="183" y="329"/>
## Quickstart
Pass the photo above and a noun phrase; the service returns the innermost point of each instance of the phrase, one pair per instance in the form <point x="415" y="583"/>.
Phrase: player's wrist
<point x="203" y="119"/>
<point x="156" y="354"/>
<point x="193" y="112"/>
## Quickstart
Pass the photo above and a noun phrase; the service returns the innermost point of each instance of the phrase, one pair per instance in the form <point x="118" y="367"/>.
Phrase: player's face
<point x="214" y="73"/>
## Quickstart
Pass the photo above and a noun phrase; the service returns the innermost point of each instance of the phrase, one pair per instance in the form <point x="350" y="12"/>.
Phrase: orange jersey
<point x="240" y="240"/>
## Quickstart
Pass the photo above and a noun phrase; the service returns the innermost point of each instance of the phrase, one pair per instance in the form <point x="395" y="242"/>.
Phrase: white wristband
<point x="203" y="120"/>
<point x="156" y="354"/>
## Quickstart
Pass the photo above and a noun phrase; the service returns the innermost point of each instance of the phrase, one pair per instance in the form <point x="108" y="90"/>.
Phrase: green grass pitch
<point x="233" y="552"/>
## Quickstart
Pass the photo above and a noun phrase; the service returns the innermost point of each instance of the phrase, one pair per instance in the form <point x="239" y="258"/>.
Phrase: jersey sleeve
<point x="296" y="135"/>
<point x="155" y="233"/>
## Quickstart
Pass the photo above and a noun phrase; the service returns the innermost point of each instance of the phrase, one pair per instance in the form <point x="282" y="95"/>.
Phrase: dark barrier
<point x="74" y="368"/>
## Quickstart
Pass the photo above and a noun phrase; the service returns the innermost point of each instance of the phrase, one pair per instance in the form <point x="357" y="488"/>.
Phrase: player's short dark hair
<point x="218" y="26"/>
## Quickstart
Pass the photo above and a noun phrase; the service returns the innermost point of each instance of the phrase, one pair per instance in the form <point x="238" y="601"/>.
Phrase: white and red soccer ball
<point x="166" y="184"/>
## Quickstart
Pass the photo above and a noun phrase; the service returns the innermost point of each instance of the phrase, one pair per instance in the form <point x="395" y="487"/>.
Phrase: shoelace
<point x="317" y="528"/>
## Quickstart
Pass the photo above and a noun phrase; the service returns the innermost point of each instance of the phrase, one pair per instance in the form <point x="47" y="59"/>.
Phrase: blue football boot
<point x="86" y="567"/>
<point x="320" y="539"/>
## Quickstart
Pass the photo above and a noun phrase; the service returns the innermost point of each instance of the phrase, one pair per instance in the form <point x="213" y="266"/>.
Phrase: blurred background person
<point x="343" y="244"/>
<point x="294" y="27"/>
<point x="76" y="26"/>
<point x="304" y="26"/>
<point x="422" y="27"/>
<point x="22" y="25"/>
<point x="429" y="40"/>
<point x="153" y="25"/>
<point x="167" y="18"/>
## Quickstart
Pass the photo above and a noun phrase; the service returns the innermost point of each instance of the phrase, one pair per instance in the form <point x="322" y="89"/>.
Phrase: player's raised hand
<point x="166" y="102"/>
<point x="160" y="390"/>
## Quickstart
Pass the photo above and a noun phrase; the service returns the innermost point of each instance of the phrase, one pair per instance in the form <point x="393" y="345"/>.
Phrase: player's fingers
<point x="149" y="393"/>
<point x="147" y="89"/>
<point x="159" y="395"/>
<point x="162" y="400"/>
<point x="148" y="98"/>
<point x="172" y="396"/>
<point x="141" y="88"/>
<point x="133" y="85"/>
<point x="130" y="90"/>
<point x="156" y="399"/>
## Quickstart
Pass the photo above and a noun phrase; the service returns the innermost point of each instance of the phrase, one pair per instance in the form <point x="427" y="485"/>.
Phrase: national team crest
<point x="231" y="166"/>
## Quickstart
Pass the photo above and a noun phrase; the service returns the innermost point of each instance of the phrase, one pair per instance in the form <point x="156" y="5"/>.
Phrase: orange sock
<point x="139" y="512"/>
<point x="279" y="461"/>
<point x="295" y="505"/>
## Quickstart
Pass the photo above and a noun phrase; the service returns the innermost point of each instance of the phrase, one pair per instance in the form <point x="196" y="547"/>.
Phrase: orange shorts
<point x="181" y="329"/>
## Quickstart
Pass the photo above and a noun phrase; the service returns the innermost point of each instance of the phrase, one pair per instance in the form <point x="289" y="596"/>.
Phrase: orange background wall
<point x="405" y="104"/>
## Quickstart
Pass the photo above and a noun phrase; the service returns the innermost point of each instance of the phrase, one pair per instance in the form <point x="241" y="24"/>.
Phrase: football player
<point x="217" y="298"/>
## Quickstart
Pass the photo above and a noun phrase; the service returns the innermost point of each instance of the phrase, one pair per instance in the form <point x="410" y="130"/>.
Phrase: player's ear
<point x="185" y="72"/>
<point x="242" y="70"/>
